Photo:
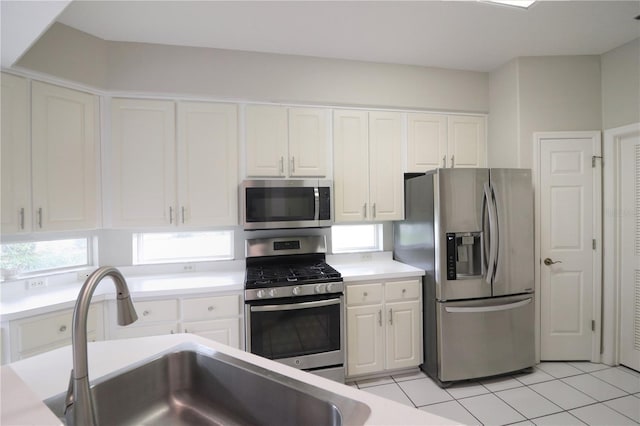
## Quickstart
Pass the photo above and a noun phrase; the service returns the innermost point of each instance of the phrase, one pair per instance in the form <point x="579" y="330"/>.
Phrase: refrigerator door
<point x="513" y="193"/>
<point x="460" y="234"/>
<point x="479" y="338"/>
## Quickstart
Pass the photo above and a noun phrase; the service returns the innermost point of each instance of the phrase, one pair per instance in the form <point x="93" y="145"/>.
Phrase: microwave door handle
<point x="316" y="203"/>
<point x="294" y="306"/>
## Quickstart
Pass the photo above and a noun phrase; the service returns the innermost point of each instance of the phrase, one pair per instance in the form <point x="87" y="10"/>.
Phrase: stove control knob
<point x="331" y="288"/>
<point x="296" y="290"/>
<point x="321" y="288"/>
<point x="260" y="294"/>
<point x="273" y="292"/>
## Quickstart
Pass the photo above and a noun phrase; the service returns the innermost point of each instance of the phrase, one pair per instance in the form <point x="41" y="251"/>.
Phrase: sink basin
<point x="194" y="385"/>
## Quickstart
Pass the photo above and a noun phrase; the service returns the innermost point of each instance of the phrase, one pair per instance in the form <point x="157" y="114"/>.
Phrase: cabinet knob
<point x="210" y="308"/>
<point x="145" y="313"/>
<point x="186" y="331"/>
<point x="62" y="328"/>
<point x="404" y="290"/>
<point x="365" y="294"/>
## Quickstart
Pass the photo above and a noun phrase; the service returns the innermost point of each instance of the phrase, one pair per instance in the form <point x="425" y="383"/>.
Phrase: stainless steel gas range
<point x="294" y="305"/>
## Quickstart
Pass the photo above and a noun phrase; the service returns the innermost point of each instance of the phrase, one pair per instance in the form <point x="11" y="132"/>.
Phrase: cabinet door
<point x="467" y="141"/>
<point x="403" y="344"/>
<point x="143" y="163"/>
<point x="207" y="164"/>
<point x="266" y="141"/>
<point x="308" y="142"/>
<point x="364" y="340"/>
<point x="225" y="331"/>
<point x="386" y="181"/>
<point x="16" y="163"/>
<point x="351" y="166"/>
<point x="129" y="332"/>
<point x="65" y="170"/>
<point x="426" y="142"/>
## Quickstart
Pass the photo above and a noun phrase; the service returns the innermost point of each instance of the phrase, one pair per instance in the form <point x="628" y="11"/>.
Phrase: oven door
<point x="303" y="332"/>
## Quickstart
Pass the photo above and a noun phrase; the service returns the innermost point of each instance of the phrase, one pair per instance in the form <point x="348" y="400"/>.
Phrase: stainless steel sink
<point x="194" y="385"/>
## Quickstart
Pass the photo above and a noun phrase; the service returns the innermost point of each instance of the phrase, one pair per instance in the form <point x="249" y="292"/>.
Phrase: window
<point x="355" y="238"/>
<point x="26" y="258"/>
<point x="182" y="247"/>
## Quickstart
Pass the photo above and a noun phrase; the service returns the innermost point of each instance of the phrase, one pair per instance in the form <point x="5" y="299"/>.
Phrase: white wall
<point x="225" y="74"/>
<point x="503" y="146"/>
<point x="621" y="85"/>
<point x="539" y="94"/>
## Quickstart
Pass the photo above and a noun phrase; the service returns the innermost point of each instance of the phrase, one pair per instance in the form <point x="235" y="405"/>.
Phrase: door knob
<point x="550" y="262"/>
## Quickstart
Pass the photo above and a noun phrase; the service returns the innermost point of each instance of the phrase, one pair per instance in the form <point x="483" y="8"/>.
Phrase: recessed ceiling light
<point x="524" y="4"/>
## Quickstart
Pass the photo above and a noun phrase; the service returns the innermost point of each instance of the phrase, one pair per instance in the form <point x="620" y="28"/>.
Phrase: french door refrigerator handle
<point x="492" y="234"/>
<point x="496" y="238"/>
<point x="495" y="308"/>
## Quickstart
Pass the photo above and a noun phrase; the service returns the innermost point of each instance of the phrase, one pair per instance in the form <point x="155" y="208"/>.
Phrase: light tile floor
<point x="555" y="393"/>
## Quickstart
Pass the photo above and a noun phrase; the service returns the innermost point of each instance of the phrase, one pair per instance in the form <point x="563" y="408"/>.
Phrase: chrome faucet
<point x="79" y="408"/>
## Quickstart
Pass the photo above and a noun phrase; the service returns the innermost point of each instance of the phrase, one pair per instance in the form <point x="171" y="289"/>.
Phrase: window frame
<point x="376" y="229"/>
<point x="138" y="244"/>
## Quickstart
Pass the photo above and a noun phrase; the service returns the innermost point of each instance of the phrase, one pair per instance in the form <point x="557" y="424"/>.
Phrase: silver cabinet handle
<point x="391" y="316"/>
<point x="183" y="215"/>
<point x="293" y="164"/>
<point x="364" y="210"/>
<point x="186" y="330"/>
<point x="210" y="308"/>
<point x="380" y="317"/>
<point x="374" y="210"/>
<point x="550" y="262"/>
<point x="444" y="161"/>
<point x="282" y="165"/>
<point x="365" y="294"/>
<point x="62" y="328"/>
<point x="145" y="313"/>
<point x="40" y="217"/>
<point x="22" y="218"/>
<point x="170" y="215"/>
<point x="452" y="160"/>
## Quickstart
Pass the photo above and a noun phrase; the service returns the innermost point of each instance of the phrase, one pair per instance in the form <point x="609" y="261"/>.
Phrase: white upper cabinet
<point x="437" y="140"/>
<point x="350" y="165"/>
<point x="16" y="162"/>
<point x="286" y="142"/>
<point x="386" y="180"/>
<point x="159" y="181"/>
<point x="143" y="163"/>
<point x="308" y="142"/>
<point x="266" y="137"/>
<point x="207" y="164"/>
<point x="64" y="138"/>
<point x="426" y="142"/>
<point x="467" y="141"/>
<point x="368" y="179"/>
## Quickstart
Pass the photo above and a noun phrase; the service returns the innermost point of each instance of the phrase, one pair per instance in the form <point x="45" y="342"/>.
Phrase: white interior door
<point x="630" y="249"/>
<point x="568" y="226"/>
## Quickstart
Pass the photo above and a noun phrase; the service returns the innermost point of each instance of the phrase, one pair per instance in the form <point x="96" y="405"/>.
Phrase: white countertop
<point x="40" y="377"/>
<point x="22" y="303"/>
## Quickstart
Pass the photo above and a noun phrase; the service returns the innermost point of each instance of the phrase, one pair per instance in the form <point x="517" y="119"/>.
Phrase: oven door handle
<point x="293" y="306"/>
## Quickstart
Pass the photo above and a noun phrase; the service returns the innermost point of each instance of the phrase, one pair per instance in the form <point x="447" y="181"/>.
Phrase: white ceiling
<point x="450" y="34"/>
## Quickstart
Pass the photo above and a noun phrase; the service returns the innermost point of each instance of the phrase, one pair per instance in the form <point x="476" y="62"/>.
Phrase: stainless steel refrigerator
<point x="471" y="230"/>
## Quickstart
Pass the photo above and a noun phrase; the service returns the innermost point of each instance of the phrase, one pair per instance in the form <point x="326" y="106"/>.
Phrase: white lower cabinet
<point x="42" y="333"/>
<point x="213" y="317"/>
<point x="384" y="326"/>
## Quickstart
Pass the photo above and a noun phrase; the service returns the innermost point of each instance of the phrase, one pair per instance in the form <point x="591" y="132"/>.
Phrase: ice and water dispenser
<point x="464" y="255"/>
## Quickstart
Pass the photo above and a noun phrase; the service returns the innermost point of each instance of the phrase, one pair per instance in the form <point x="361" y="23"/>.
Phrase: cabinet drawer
<point x="46" y="330"/>
<point x="157" y="310"/>
<point x="402" y="290"/>
<point x="364" y="294"/>
<point x="211" y="307"/>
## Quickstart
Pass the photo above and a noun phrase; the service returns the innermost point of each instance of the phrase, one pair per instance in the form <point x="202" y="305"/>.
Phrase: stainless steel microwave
<point x="277" y="204"/>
